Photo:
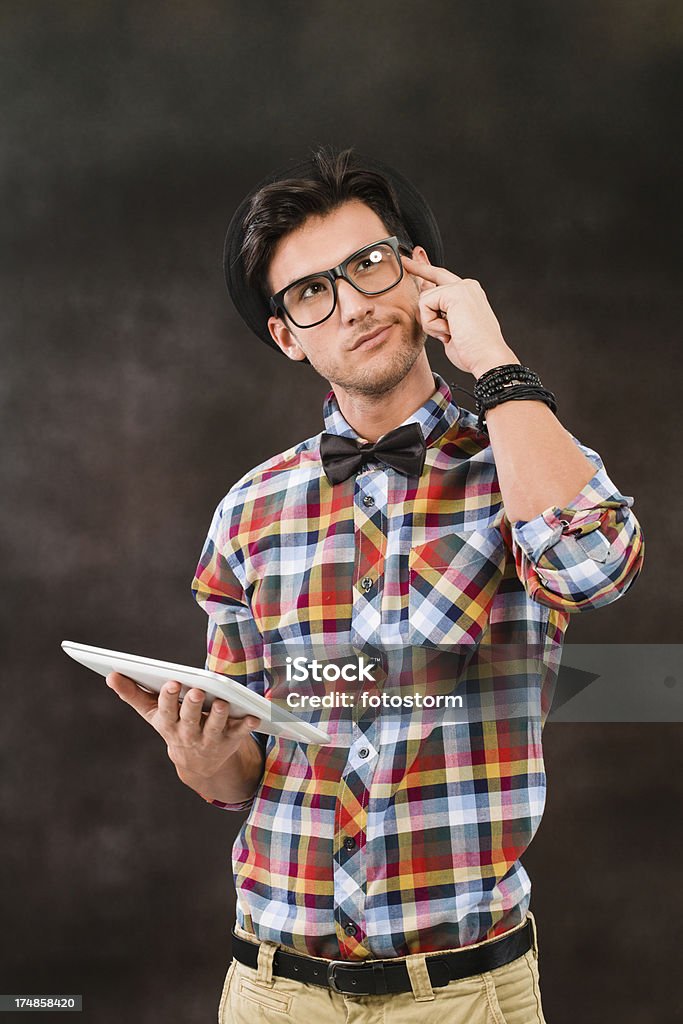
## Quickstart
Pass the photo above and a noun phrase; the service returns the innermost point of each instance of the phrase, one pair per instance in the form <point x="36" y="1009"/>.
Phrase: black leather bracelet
<point x="518" y="392"/>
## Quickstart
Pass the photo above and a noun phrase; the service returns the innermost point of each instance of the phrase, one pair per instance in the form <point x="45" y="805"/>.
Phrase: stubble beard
<point x="384" y="374"/>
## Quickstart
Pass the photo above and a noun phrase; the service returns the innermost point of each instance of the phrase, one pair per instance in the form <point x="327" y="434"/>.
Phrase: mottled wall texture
<point x="545" y="136"/>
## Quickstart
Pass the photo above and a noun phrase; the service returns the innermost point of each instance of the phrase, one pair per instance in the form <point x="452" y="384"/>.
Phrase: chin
<point x="385" y="371"/>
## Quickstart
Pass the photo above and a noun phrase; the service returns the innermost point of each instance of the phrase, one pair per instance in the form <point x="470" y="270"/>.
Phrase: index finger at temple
<point x="437" y="275"/>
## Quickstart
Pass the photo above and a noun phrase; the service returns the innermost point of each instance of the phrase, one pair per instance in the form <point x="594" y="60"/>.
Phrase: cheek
<point x="321" y="353"/>
<point x="409" y="299"/>
<point x="411" y="291"/>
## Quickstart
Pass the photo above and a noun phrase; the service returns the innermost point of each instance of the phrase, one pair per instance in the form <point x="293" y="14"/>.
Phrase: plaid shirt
<point x="405" y="834"/>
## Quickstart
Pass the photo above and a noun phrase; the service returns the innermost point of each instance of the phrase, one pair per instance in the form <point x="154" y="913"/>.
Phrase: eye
<point x="369" y="260"/>
<point x="311" y="290"/>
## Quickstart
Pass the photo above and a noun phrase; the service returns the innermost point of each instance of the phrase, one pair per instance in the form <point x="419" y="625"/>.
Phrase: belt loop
<point x="266" y="952"/>
<point x="534" y="933"/>
<point x="419" y="978"/>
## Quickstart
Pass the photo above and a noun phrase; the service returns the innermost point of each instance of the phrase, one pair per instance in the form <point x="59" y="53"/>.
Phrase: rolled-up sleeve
<point x="234" y="646"/>
<point x="584" y="555"/>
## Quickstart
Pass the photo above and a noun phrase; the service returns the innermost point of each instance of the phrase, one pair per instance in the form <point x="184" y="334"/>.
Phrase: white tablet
<point x="151" y="674"/>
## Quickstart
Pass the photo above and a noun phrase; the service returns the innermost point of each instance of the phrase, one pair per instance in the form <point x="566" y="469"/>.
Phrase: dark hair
<point x="282" y="206"/>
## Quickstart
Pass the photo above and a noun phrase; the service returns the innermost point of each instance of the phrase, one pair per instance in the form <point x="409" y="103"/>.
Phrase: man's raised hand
<point x="455" y="310"/>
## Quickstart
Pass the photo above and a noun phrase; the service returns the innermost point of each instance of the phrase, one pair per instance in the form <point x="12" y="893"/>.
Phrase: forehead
<point x="324" y="241"/>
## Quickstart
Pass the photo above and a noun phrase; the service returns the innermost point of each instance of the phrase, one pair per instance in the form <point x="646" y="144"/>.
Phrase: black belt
<point x="378" y="977"/>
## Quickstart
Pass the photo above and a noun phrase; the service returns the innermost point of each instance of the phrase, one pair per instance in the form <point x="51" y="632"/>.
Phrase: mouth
<point x="372" y="339"/>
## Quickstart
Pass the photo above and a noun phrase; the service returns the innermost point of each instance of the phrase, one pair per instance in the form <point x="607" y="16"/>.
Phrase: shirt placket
<point x="350" y="862"/>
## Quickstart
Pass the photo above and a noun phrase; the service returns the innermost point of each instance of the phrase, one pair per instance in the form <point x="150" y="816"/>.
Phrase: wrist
<point x="235" y="780"/>
<point x="206" y="785"/>
<point x="488" y="362"/>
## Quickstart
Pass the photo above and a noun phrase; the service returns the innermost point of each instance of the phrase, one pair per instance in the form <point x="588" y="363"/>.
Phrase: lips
<point x="371" y="338"/>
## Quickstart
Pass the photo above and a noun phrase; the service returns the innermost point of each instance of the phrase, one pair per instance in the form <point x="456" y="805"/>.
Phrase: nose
<point x="353" y="305"/>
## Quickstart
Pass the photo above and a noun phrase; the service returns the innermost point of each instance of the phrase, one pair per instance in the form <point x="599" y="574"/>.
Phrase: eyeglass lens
<point x="375" y="269"/>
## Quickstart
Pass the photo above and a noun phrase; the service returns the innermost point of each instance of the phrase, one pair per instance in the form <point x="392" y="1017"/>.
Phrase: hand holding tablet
<point x="151" y="675"/>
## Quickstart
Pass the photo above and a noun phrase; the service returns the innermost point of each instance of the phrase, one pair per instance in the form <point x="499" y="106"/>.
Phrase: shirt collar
<point x="435" y="417"/>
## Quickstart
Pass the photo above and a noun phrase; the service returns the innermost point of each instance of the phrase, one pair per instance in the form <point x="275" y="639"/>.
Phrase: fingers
<point x="128" y="690"/>
<point x="435" y="288"/>
<point x="247" y="724"/>
<point x="193" y="720"/>
<point x="147" y="704"/>
<point x="219" y="720"/>
<point x="434" y="319"/>
<point x="186" y="721"/>
<point x="169" y="702"/>
<point x="436" y="275"/>
<point x="191" y="708"/>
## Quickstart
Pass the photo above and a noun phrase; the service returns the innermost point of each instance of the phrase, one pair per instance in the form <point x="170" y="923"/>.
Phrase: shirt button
<point x="363" y="752"/>
<point x="349" y="842"/>
<point x="368" y="501"/>
<point x="366" y="584"/>
<point x="350" y="929"/>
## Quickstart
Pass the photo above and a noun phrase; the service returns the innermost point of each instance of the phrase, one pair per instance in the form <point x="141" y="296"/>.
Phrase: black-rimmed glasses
<point x="371" y="270"/>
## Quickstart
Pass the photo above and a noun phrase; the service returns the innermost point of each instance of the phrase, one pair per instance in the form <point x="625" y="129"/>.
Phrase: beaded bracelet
<point x="500" y="376"/>
<point x="509" y="382"/>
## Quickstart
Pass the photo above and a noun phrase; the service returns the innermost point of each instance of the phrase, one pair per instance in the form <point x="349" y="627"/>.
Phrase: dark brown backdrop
<point x="544" y="136"/>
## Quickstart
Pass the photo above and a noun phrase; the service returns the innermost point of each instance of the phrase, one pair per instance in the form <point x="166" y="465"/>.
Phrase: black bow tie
<point x="403" y="449"/>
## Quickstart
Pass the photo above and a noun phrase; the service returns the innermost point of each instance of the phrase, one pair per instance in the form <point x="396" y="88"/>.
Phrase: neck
<point x="372" y="416"/>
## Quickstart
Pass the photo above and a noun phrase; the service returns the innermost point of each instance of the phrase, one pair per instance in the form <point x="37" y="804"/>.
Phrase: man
<point x="378" y="876"/>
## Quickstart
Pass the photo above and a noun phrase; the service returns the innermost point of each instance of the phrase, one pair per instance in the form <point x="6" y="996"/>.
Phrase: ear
<point x="420" y="255"/>
<point x="284" y="339"/>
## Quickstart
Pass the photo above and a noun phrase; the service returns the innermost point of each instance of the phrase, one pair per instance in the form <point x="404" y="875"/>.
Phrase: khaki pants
<point x="506" y="995"/>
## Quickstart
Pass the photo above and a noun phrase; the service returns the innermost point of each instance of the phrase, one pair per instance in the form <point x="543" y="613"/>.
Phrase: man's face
<point x="339" y="348"/>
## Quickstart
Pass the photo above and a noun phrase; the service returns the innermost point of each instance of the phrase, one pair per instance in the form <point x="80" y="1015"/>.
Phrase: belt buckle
<point x="331" y="981"/>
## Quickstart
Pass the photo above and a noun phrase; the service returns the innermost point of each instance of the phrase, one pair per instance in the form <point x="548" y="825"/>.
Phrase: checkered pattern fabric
<point x="405" y="833"/>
